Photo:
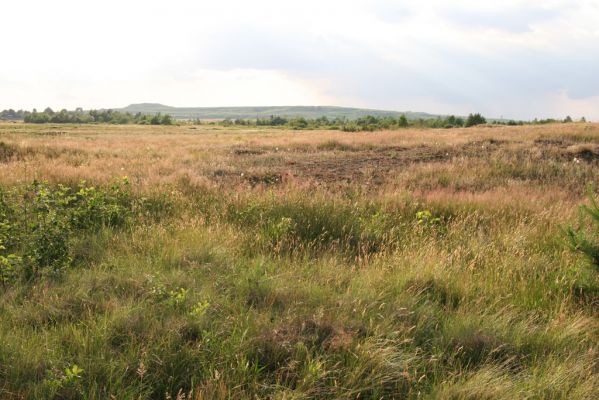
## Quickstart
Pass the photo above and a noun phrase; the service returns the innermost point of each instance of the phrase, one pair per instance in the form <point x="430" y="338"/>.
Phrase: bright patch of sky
<point x="517" y="59"/>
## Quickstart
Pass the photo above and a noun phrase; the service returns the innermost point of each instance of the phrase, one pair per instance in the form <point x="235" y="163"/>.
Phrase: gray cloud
<point x="505" y="78"/>
<point x="509" y="59"/>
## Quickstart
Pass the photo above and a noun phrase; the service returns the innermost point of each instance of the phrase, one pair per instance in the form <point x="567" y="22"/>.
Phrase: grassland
<point x="264" y="263"/>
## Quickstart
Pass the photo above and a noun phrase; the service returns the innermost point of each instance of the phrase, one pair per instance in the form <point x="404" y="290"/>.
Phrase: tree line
<point x="366" y="123"/>
<point x="86" y="117"/>
<point x="11" y="115"/>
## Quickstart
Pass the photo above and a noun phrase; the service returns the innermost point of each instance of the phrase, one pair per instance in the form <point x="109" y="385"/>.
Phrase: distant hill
<point x="265" y="112"/>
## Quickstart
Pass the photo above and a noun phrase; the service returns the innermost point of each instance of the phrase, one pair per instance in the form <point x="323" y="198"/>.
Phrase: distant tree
<point x="474" y="119"/>
<point x="156" y="119"/>
<point x="298" y="123"/>
<point x="452" y="121"/>
<point x="278" y="120"/>
<point x="11" y="114"/>
<point x="568" y="119"/>
<point x="322" y="121"/>
<point x="403" y="121"/>
<point x="583" y="119"/>
<point x="272" y="121"/>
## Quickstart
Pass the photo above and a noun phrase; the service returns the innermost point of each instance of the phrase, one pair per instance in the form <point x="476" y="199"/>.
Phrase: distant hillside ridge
<point x="309" y="112"/>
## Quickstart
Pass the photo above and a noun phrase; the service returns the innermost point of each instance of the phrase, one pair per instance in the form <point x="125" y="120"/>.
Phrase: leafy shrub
<point x="48" y="247"/>
<point x="586" y="241"/>
<point x="8" y="261"/>
<point x="39" y="222"/>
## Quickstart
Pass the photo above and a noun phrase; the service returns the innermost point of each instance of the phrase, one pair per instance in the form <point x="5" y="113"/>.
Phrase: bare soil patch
<point x="372" y="165"/>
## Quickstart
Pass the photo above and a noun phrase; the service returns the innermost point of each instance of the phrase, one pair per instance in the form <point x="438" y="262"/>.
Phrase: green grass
<point x="302" y="296"/>
<point x="449" y="278"/>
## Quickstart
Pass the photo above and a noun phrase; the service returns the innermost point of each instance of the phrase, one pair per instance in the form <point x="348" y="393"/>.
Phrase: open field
<point x="264" y="263"/>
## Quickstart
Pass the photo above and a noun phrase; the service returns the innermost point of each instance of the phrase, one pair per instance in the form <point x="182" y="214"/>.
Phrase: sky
<point x="512" y="59"/>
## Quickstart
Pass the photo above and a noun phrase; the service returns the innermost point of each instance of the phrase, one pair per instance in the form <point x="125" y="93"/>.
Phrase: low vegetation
<point x="585" y="239"/>
<point x="263" y="263"/>
<point x="40" y="225"/>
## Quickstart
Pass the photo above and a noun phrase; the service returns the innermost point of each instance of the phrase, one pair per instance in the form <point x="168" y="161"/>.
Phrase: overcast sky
<point x="510" y="58"/>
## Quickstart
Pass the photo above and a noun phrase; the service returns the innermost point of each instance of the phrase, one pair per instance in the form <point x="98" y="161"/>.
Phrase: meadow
<point x="208" y="262"/>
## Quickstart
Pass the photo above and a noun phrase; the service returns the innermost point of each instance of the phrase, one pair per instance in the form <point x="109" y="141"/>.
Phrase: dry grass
<point x="422" y="160"/>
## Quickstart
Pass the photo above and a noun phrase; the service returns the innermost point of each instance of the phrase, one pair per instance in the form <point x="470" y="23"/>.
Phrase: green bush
<point x="47" y="248"/>
<point x="39" y="222"/>
<point x="585" y="238"/>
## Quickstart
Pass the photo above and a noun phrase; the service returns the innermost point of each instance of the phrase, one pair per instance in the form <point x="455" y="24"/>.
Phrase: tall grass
<point x="189" y="289"/>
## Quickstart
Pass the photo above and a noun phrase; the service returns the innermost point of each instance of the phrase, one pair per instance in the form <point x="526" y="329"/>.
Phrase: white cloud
<point x="515" y="58"/>
<point x="237" y="87"/>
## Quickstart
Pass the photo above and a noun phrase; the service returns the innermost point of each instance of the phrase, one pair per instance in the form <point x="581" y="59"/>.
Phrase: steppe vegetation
<point x="201" y="262"/>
